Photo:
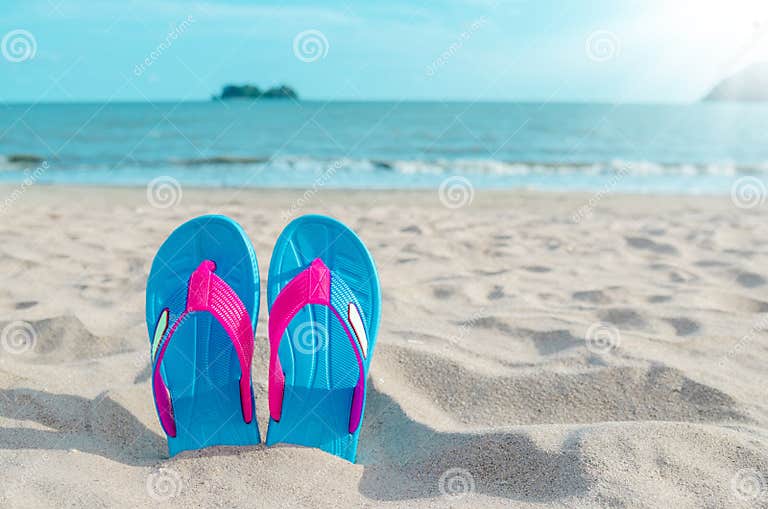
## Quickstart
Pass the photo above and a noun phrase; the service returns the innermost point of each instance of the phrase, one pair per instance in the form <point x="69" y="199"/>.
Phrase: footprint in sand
<point x="537" y="268"/>
<point x="749" y="279"/>
<point x="443" y="292"/>
<point x="675" y="274"/>
<point x="496" y="293"/>
<point x="683" y="326"/>
<point x="490" y="272"/>
<point x="592" y="296"/>
<point x="488" y="323"/>
<point x="649" y="245"/>
<point x="553" y="341"/>
<point x="411" y="229"/>
<point x="710" y="263"/>
<point x="623" y="317"/>
<point x="25" y="304"/>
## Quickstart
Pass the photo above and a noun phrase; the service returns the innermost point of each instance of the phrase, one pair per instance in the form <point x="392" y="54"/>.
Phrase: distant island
<point x="747" y="85"/>
<point x="254" y="92"/>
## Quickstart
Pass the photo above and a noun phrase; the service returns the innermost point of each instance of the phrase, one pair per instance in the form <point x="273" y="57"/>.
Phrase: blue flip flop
<point x="325" y="304"/>
<point x="201" y="310"/>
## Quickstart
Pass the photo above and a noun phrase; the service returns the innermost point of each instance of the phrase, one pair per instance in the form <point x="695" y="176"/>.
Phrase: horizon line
<point x="213" y="99"/>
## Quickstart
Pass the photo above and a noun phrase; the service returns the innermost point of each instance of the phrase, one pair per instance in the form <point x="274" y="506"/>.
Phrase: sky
<point x="477" y="50"/>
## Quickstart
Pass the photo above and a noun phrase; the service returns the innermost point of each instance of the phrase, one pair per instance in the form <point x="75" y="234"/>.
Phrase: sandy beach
<point x="536" y="350"/>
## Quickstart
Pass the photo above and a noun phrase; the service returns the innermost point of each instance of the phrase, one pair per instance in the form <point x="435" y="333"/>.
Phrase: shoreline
<point x="483" y="194"/>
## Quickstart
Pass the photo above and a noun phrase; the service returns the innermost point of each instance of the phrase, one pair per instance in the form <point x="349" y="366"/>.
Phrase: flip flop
<point x="202" y="304"/>
<point x="325" y="303"/>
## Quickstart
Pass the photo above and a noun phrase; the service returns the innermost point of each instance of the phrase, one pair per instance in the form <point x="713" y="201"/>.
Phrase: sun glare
<point x="723" y="22"/>
<point x="733" y="33"/>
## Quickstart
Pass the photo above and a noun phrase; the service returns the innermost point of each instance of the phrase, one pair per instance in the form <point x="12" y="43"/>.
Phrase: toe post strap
<point x="313" y="285"/>
<point x="207" y="292"/>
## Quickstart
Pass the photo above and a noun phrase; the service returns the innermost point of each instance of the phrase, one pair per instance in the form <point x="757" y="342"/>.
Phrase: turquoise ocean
<point x="697" y="148"/>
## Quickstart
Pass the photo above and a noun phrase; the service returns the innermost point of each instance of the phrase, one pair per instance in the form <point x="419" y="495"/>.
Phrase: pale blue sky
<point x="641" y="50"/>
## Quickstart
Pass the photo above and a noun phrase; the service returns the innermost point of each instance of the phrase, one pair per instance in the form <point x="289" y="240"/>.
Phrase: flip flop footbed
<point x="200" y="366"/>
<point x="317" y="356"/>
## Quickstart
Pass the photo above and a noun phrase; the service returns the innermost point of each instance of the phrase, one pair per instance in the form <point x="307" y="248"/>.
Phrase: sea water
<point x="693" y="148"/>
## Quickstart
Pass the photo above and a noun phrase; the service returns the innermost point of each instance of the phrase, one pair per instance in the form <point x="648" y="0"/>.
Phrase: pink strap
<point x="208" y="292"/>
<point x="311" y="286"/>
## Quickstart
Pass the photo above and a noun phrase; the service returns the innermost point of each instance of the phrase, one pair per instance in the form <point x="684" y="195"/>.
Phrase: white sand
<point x="482" y="380"/>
